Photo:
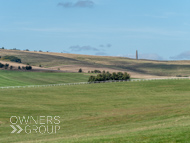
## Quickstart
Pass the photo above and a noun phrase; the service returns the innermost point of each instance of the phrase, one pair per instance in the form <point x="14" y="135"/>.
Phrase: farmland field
<point x="17" y="78"/>
<point x="62" y="60"/>
<point x="134" y="112"/>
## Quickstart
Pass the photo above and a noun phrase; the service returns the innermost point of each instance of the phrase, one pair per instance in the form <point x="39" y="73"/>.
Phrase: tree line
<point x="109" y="76"/>
<point x="6" y="66"/>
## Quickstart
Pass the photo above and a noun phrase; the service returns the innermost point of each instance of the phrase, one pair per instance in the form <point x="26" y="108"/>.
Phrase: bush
<point x="108" y="76"/>
<point x="28" y="68"/>
<point x="12" y="59"/>
<point x="1" y="65"/>
<point x="19" y="67"/>
<point x="6" y="66"/>
<point x="80" y="70"/>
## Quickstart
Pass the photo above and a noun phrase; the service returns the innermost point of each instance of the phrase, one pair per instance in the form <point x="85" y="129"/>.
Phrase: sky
<point x="158" y="29"/>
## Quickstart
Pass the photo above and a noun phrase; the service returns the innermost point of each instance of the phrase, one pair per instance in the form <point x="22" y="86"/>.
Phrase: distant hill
<point x="72" y="62"/>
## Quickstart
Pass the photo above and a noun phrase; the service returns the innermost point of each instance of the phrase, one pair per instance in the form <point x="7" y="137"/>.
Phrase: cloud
<point x="79" y="3"/>
<point x="107" y="46"/>
<point x="182" y="56"/>
<point x="100" y="54"/>
<point x="78" y="48"/>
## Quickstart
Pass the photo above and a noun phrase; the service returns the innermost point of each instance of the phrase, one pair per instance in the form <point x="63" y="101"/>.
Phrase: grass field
<point x="18" y="78"/>
<point x="132" y="112"/>
<point x="48" y="59"/>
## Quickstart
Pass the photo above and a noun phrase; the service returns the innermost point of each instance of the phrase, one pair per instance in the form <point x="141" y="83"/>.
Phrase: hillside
<point x="18" y="78"/>
<point x="144" y="112"/>
<point x="72" y="62"/>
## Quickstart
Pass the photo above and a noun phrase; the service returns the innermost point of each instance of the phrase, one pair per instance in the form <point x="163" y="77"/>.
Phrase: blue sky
<point x="158" y="29"/>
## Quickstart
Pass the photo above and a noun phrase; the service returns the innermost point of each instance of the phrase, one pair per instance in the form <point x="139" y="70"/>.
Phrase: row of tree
<point x="6" y="66"/>
<point x="109" y="76"/>
<point x="95" y="71"/>
<point x="25" y="68"/>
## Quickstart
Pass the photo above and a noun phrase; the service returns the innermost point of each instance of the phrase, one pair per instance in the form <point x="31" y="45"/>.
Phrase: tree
<point x="80" y="70"/>
<point x="1" y="65"/>
<point x="6" y="66"/>
<point x="28" y="68"/>
<point x="120" y="75"/>
<point x="126" y="76"/>
<point x="91" y="78"/>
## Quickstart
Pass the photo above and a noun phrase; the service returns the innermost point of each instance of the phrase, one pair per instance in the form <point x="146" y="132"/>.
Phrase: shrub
<point x="108" y="76"/>
<point x="80" y="70"/>
<point x="6" y="66"/>
<point x="1" y="65"/>
<point x="12" y="59"/>
<point x="28" y="68"/>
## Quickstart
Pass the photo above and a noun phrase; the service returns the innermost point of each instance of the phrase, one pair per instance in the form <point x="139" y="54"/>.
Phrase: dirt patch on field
<point x="75" y="68"/>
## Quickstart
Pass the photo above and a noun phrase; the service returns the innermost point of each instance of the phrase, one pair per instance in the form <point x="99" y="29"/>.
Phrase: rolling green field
<point x="48" y="59"/>
<point x="132" y="112"/>
<point x="17" y="78"/>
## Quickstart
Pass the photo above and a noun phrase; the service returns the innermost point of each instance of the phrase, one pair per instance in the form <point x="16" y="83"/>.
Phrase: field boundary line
<point x="79" y="83"/>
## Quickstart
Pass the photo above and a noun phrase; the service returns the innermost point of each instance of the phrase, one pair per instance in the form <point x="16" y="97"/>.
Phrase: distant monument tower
<point x="137" y="55"/>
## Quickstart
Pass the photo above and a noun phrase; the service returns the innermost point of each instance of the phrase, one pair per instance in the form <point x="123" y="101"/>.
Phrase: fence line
<point x="109" y="81"/>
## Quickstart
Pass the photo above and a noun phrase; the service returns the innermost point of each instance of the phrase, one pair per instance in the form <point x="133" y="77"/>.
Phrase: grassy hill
<point x="17" y="78"/>
<point x="49" y="60"/>
<point x="136" y="112"/>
